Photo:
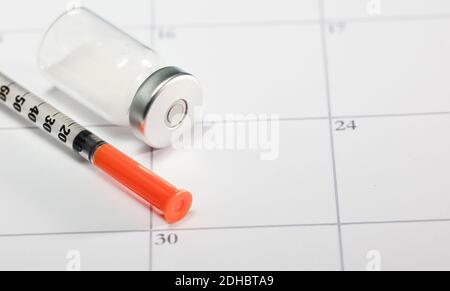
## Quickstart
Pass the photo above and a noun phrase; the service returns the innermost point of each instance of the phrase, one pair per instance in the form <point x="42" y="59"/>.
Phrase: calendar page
<point x="324" y="141"/>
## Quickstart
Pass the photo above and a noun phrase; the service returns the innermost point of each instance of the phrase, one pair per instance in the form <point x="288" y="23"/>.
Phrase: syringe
<point x="171" y="202"/>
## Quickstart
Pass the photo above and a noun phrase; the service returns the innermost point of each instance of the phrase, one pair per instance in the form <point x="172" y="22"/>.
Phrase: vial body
<point x="104" y="68"/>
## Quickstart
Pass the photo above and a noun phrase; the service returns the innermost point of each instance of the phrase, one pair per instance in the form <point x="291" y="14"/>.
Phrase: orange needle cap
<point x="173" y="203"/>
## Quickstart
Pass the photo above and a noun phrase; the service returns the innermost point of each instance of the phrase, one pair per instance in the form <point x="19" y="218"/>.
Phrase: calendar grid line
<point x="351" y="116"/>
<point x="37" y="234"/>
<point x="355" y="116"/>
<point x="306" y="225"/>
<point x="300" y="22"/>
<point x="418" y="114"/>
<point x="152" y="156"/>
<point x="396" y="222"/>
<point x="42" y="30"/>
<point x="331" y="224"/>
<point x="394" y="18"/>
<point x="152" y="160"/>
<point x="331" y="129"/>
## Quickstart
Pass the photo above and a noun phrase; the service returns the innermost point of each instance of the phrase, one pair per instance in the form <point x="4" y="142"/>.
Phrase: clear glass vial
<point x="118" y="77"/>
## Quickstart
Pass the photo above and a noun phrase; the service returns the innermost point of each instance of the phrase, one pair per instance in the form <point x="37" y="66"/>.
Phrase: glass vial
<point x="119" y="78"/>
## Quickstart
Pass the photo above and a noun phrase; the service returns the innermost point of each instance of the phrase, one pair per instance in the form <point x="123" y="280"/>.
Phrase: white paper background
<point x="370" y="198"/>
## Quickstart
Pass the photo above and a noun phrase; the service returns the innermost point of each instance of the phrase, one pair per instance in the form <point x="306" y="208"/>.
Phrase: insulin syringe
<point x="171" y="202"/>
